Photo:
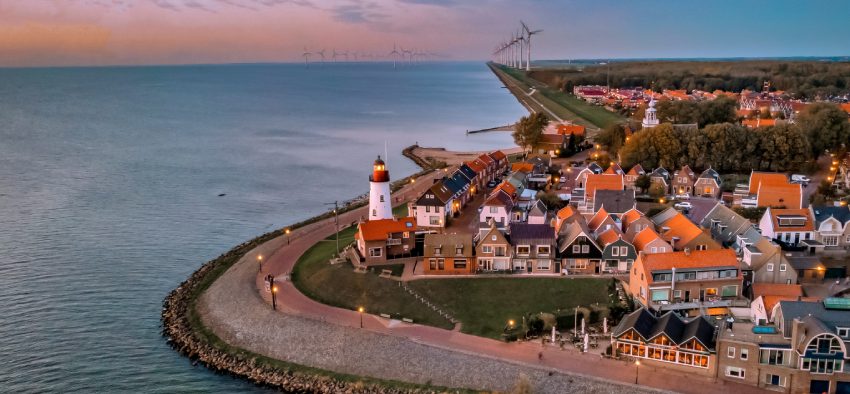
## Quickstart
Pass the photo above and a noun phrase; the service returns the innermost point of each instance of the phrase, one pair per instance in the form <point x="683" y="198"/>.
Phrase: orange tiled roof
<point x="644" y="237"/>
<point x="597" y="219"/>
<point x="486" y="159"/>
<point x="596" y="182"/>
<point x="566" y="212"/>
<point x="635" y="169"/>
<point x="476" y="165"/>
<point x="773" y="178"/>
<point x="498" y="155"/>
<point x="846" y="107"/>
<point x="571" y="129"/>
<point x="630" y="216"/>
<point x="614" y="169"/>
<point x="524" y="167"/>
<point x="775" y="213"/>
<point x="608" y="236"/>
<point x="680" y="227"/>
<point x="376" y="230"/>
<point x="693" y="259"/>
<point x="783" y="195"/>
<point x="777" y="289"/>
<point x="507" y="188"/>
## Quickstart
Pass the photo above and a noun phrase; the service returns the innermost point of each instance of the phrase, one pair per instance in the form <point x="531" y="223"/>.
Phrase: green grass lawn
<point x="340" y="286"/>
<point x="575" y="109"/>
<point x="484" y="305"/>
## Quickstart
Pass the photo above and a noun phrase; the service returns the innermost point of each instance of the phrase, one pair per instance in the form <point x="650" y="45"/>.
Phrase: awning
<point x="717" y="311"/>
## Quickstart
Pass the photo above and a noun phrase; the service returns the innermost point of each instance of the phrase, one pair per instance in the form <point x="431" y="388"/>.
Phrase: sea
<point x="116" y="183"/>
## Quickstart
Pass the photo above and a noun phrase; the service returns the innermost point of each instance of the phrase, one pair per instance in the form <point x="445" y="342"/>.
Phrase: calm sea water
<point x="109" y="184"/>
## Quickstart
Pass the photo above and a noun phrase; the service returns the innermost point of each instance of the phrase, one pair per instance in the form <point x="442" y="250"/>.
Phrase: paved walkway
<point x="311" y="333"/>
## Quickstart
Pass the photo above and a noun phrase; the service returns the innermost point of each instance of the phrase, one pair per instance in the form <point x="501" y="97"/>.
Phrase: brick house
<point x="381" y="241"/>
<point x="708" y="184"/>
<point x="683" y="181"/>
<point x="448" y="254"/>
<point x="493" y="252"/>
<point x="534" y="248"/>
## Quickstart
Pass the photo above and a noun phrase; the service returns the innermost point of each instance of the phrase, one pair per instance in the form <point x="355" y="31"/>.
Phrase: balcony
<point x="393" y="241"/>
<point x="679" y="305"/>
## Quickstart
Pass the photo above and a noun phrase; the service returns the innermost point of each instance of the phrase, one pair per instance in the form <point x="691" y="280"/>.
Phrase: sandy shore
<point x="453" y="157"/>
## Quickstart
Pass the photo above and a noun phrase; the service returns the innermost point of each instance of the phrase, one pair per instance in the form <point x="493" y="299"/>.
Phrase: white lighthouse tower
<point x="650" y="118"/>
<point x="379" y="192"/>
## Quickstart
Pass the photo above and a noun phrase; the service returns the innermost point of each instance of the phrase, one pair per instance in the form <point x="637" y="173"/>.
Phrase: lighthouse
<point x="379" y="192"/>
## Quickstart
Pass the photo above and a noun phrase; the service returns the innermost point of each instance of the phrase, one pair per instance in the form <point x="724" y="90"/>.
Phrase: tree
<point x="656" y="190"/>
<point x="826" y="127"/>
<point x="643" y="182"/>
<point x="612" y="138"/>
<point x="528" y="132"/>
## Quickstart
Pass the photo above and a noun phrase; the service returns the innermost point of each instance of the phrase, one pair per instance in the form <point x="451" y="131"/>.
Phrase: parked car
<point x="492" y="184"/>
<point x="683" y="196"/>
<point x="683" y="205"/>
<point x="800" y="178"/>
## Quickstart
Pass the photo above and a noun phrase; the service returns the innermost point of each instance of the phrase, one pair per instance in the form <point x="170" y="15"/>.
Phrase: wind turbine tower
<point x="528" y="33"/>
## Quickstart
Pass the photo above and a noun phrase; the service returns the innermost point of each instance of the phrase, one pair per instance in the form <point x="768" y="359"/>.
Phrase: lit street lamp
<point x="260" y="261"/>
<point x="360" y="310"/>
<point x="274" y="295"/>
<point x="287" y="236"/>
<point x="637" y="369"/>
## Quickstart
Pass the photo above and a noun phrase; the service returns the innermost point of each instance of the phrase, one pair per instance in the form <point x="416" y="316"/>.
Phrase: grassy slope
<point x="576" y="109"/>
<point x="340" y="286"/>
<point x="484" y="305"/>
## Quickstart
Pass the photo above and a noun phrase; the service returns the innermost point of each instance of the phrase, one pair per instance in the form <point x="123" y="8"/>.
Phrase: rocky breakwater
<point x="185" y="333"/>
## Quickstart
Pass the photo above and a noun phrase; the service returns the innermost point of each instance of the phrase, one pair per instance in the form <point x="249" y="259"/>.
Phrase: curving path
<point x="237" y="309"/>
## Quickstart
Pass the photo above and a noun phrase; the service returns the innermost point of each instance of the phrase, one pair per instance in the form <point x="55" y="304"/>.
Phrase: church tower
<point x="379" y="192"/>
<point x="650" y="119"/>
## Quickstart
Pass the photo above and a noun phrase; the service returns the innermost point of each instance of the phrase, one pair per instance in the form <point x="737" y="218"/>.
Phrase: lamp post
<point x="637" y="370"/>
<point x="274" y="295"/>
<point x="259" y="262"/>
<point x="360" y="310"/>
<point x="287" y="236"/>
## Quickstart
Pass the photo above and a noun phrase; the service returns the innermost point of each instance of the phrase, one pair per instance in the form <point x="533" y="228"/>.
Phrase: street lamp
<point x="287" y="236"/>
<point x="637" y="370"/>
<point x="260" y="261"/>
<point x="274" y="295"/>
<point x="360" y="310"/>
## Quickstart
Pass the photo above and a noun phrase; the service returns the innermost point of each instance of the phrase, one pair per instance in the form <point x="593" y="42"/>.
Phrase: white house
<point x="790" y="226"/>
<point x="498" y="207"/>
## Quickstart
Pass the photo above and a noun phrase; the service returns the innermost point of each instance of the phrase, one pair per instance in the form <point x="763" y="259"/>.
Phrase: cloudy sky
<point x="101" y="32"/>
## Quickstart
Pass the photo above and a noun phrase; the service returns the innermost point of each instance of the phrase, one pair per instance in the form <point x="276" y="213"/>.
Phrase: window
<point x="660" y="295"/>
<point x="523" y="250"/>
<point x="438" y="250"/>
<point x="774" y="380"/>
<point x="711" y="291"/>
<point x="585" y="248"/>
<point x="434" y="220"/>
<point x="493" y="238"/>
<point x="615" y="251"/>
<point x="576" y="248"/>
<point x="654" y="249"/>
<point x="579" y="264"/>
<point x="543" y="250"/>
<point x="427" y="209"/>
<point x="783" y="267"/>
<point x="376" y="252"/>
<point x="702" y="247"/>
<point x="769" y="267"/>
<point x="544" y="264"/>
<point x="405" y="234"/>
<point x="729" y="291"/>
<point x="432" y="264"/>
<point x="843" y="332"/>
<point x="486" y="249"/>
<point x="775" y="356"/>
<point x="735" y="372"/>
<point x="441" y="264"/>
<point x="374" y="212"/>
<point x="642" y="292"/>
<point x="624" y="251"/>
<point x="459" y="250"/>
<point x="494" y="209"/>
<point x="830" y="240"/>
<point x="745" y="354"/>
<point x="730" y="352"/>
<point x="460" y="263"/>
<point x="677" y="294"/>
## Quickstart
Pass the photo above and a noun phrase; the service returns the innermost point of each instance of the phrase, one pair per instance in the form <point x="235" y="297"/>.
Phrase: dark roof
<point x="539" y="209"/>
<point x="596" y="168"/>
<point x="456" y="183"/>
<point x="468" y="172"/>
<point x="842" y="214"/>
<point x="710" y="173"/>
<point x="660" y="172"/>
<point x="670" y="324"/>
<point x="805" y="262"/>
<point x="441" y="193"/>
<point x="614" y="201"/>
<point x="831" y="318"/>
<point x="532" y="232"/>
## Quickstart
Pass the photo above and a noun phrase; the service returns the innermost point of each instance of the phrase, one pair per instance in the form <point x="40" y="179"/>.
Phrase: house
<point x="381" y="241"/>
<point x="617" y="254"/>
<point x="538" y="214"/>
<point x="766" y="297"/>
<point x="594" y="183"/>
<point x="460" y="185"/>
<point x="552" y="144"/>
<point x="493" y="251"/>
<point x="448" y="254"/>
<point x="788" y="226"/>
<point x="772" y="189"/>
<point x="648" y="241"/>
<point x="534" y="248"/>
<point x="633" y="175"/>
<point x="831" y="228"/>
<point x="481" y="174"/>
<point x="681" y="232"/>
<point x="708" y="184"/>
<point x="614" y="168"/>
<point x="432" y="207"/>
<point x="616" y="202"/>
<point x="687" y="281"/>
<point x="498" y="207"/>
<point x="565" y="214"/>
<point x="500" y="161"/>
<point x="633" y="222"/>
<point x="580" y="254"/>
<point x="667" y="341"/>
<point x="803" y="351"/>
<point x="661" y="177"/>
<point x="683" y="181"/>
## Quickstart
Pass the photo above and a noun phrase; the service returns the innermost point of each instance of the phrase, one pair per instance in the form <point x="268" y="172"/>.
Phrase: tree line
<point x="801" y="79"/>
<point x="731" y="147"/>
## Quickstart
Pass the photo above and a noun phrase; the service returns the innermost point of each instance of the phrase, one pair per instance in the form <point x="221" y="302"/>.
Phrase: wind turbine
<point x="306" y="55"/>
<point x="528" y="33"/>
<point x="394" y="54"/>
<point x="335" y="54"/>
<point x="406" y="53"/>
<point x="519" y="41"/>
<point x="322" y="54"/>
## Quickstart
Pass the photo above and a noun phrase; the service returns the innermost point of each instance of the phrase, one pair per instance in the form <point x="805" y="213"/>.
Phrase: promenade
<point x="237" y="309"/>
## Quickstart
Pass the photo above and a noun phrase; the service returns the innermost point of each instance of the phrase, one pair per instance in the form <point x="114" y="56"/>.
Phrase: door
<point x="819" y="386"/>
<point x="701" y="295"/>
<point x="557" y="267"/>
<point x="687" y="295"/>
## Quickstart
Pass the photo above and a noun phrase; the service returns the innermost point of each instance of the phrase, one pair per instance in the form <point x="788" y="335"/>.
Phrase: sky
<point x="110" y="32"/>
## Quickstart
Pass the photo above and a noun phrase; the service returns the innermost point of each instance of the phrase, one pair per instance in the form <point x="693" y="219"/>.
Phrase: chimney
<point x="687" y="251"/>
